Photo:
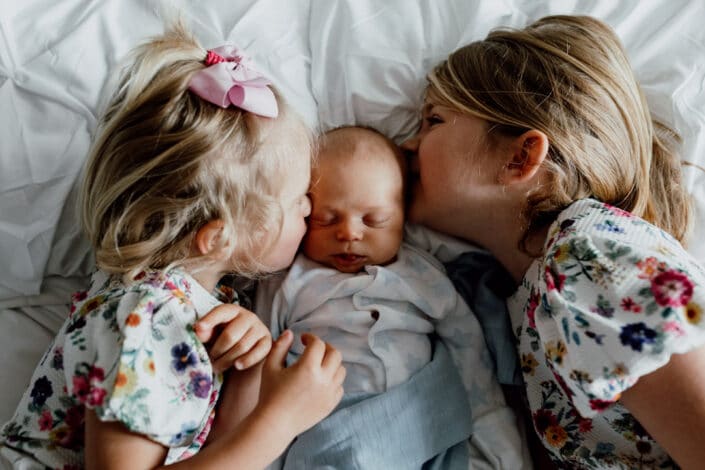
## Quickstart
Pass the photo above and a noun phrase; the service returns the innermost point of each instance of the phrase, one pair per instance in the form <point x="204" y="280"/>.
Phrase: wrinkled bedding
<point x="337" y="62"/>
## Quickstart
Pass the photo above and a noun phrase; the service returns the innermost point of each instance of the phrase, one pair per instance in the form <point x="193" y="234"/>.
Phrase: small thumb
<point x="277" y="356"/>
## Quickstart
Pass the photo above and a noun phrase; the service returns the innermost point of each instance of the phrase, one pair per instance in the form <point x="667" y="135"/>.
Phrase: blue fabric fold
<point x="424" y="422"/>
<point x="484" y="284"/>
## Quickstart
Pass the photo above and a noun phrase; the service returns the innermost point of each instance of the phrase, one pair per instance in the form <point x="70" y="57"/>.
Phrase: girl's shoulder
<point x="105" y="288"/>
<point x="610" y="301"/>
<point x="590" y="229"/>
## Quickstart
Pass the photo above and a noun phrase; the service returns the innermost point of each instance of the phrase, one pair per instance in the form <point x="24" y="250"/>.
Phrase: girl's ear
<point x="207" y="236"/>
<point x="528" y="153"/>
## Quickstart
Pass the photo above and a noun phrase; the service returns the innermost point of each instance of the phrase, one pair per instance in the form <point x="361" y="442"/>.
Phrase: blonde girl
<point x="198" y="169"/>
<point x="538" y="145"/>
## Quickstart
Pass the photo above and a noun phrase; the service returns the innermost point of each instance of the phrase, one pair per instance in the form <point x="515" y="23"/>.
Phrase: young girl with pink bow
<point x="199" y="169"/>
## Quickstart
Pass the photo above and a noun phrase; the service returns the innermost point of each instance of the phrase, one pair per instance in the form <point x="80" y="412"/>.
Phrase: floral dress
<point x="129" y="353"/>
<point x="611" y="300"/>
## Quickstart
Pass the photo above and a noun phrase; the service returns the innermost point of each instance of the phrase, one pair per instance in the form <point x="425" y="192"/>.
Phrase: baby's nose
<point x="349" y="231"/>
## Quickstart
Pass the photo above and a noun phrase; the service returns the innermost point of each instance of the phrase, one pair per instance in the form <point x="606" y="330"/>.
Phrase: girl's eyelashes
<point x="433" y="119"/>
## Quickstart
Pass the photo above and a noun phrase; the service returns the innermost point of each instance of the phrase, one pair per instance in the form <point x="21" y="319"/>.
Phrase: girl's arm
<point x="254" y="443"/>
<point x="670" y="404"/>
<point x="238" y="398"/>
<point x="292" y="399"/>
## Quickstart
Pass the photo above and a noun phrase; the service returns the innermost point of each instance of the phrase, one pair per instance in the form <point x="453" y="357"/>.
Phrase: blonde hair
<point x="165" y="162"/>
<point x="569" y="77"/>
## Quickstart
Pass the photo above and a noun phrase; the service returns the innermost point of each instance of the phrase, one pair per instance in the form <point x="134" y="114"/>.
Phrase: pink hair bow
<point x="230" y="79"/>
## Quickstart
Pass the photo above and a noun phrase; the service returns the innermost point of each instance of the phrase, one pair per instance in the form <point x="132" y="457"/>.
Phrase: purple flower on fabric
<point x="636" y="334"/>
<point x="200" y="384"/>
<point x="41" y="390"/>
<point x="184" y="357"/>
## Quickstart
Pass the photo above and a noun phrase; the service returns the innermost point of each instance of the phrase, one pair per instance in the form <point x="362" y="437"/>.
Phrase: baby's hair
<point x="165" y="162"/>
<point x="347" y="138"/>
<point x="569" y="77"/>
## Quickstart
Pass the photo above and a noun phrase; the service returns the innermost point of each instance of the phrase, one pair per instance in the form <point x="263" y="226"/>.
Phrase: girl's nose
<point x="349" y="230"/>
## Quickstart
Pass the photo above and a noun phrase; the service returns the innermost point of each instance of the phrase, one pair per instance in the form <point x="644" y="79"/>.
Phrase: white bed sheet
<point x="337" y="61"/>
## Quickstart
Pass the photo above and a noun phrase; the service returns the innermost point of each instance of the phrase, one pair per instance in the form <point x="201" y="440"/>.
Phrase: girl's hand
<point x="301" y="395"/>
<point x="242" y="341"/>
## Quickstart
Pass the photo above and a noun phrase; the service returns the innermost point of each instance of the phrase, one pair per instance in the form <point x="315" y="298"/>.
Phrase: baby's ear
<point x="528" y="153"/>
<point x="206" y="238"/>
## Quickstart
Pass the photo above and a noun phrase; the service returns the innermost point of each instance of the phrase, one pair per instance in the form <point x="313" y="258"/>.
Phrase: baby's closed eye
<point x="375" y="221"/>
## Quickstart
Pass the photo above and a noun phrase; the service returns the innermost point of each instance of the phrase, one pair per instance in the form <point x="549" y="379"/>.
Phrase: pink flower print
<point x="531" y="311"/>
<point x="672" y="288"/>
<point x="75" y="416"/>
<point x="601" y="405"/>
<point x="81" y="387"/>
<point x="45" y="421"/>
<point x="673" y="327"/>
<point x="79" y="296"/>
<point x="214" y="396"/>
<point x="649" y="267"/>
<point x="629" y="305"/>
<point x="585" y="425"/>
<point x="553" y="283"/>
<point x="96" y="374"/>
<point x="85" y="387"/>
<point x="96" y="396"/>
<point x="620" y="212"/>
<point x="564" y="386"/>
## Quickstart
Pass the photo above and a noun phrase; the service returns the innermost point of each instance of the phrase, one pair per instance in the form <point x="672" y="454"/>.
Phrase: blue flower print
<point x="186" y="429"/>
<point x="609" y="226"/>
<point x="200" y="384"/>
<point x="41" y="390"/>
<point x="184" y="357"/>
<point x="636" y="334"/>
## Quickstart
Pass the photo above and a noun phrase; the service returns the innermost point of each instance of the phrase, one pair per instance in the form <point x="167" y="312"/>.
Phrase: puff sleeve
<point x="614" y="302"/>
<point x="134" y="358"/>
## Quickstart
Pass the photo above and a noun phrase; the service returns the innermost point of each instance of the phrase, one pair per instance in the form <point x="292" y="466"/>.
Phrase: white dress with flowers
<point x="611" y="300"/>
<point x="129" y="353"/>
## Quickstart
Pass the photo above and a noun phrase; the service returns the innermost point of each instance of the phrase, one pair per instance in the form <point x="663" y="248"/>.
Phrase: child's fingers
<point x="331" y="359"/>
<point x="255" y="354"/>
<point x="276" y="360"/>
<point x="315" y="349"/>
<point x="244" y="344"/>
<point x="240" y="349"/>
<point x="221" y="314"/>
<point x="339" y="376"/>
<point x="228" y="338"/>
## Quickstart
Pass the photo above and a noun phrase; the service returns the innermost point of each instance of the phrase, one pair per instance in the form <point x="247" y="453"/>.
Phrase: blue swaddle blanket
<point x="485" y="284"/>
<point x="413" y="425"/>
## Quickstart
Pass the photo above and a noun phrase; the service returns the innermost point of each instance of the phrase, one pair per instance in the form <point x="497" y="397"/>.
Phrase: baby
<point x="357" y="284"/>
<point x="362" y="289"/>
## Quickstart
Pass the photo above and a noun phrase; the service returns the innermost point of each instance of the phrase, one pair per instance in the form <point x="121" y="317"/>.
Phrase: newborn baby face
<point x="357" y="215"/>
